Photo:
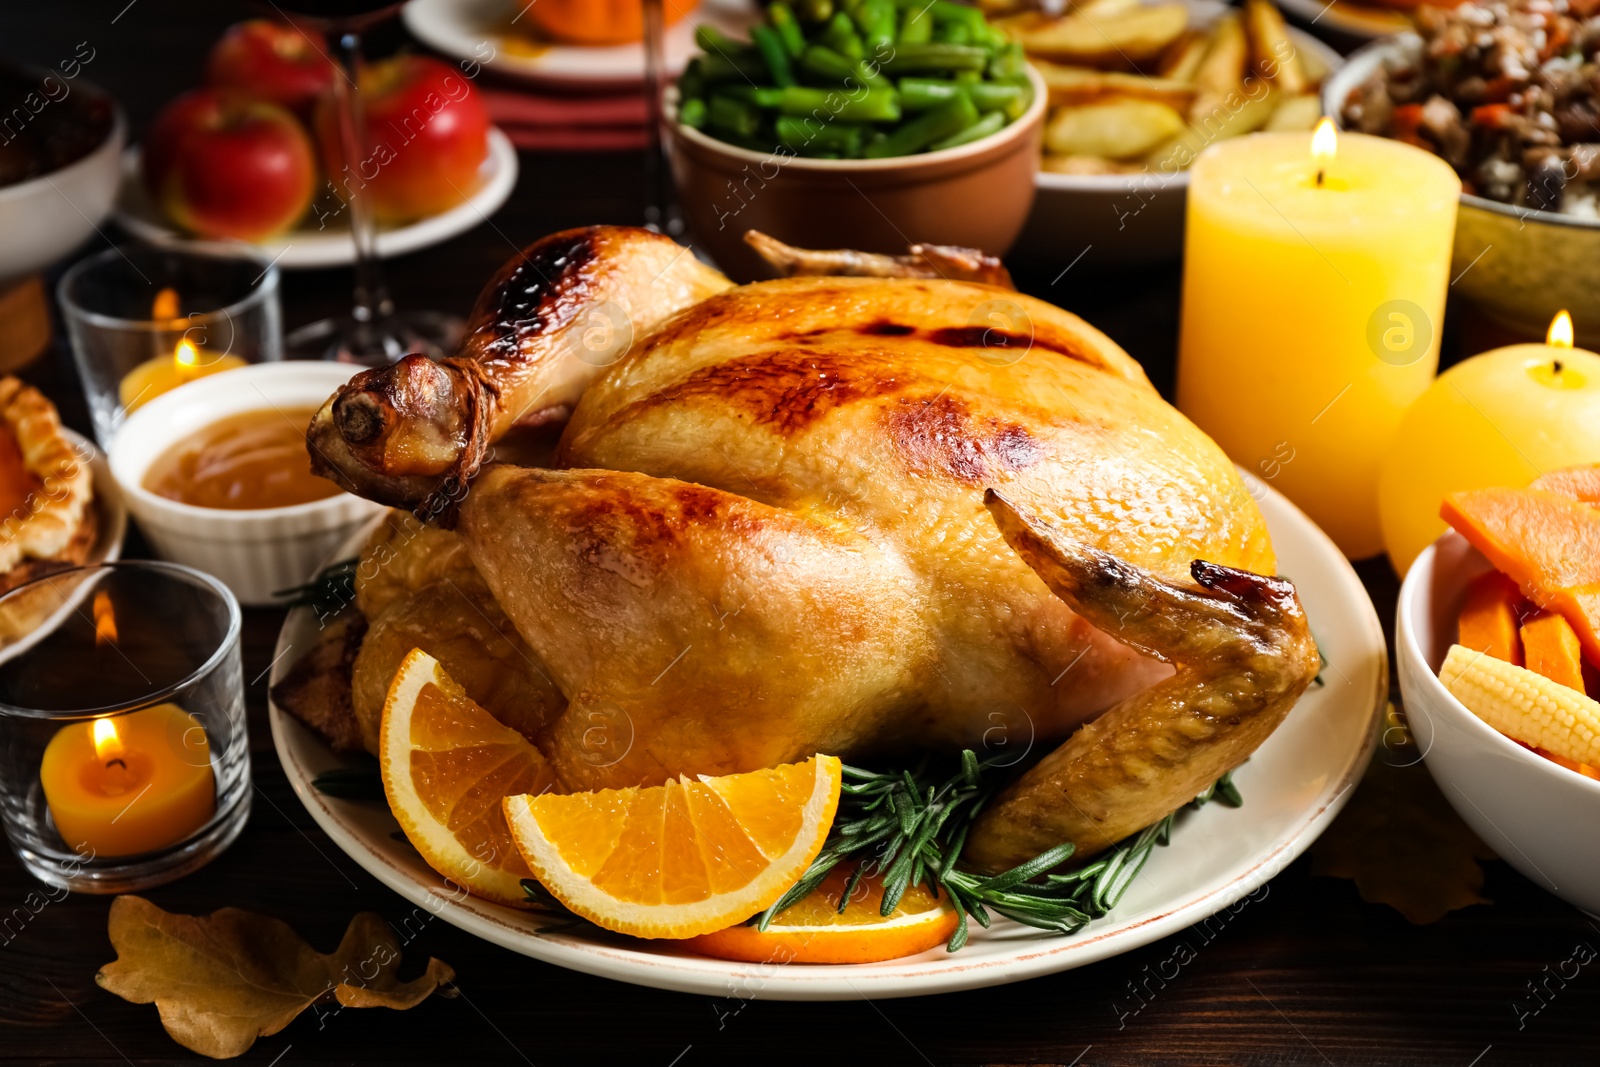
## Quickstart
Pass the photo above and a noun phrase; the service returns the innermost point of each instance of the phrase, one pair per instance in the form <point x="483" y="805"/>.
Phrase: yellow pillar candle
<point x="129" y="784"/>
<point x="1313" y="296"/>
<point x="165" y="373"/>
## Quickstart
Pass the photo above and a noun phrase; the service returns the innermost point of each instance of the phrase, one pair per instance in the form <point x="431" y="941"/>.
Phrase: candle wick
<point x="1556" y="366"/>
<point x="1321" y="175"/>
<point x="116" y="763"/>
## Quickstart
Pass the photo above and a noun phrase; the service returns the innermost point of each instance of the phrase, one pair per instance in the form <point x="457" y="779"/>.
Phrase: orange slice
<point x="680" y="859"/>
<point x="446" y="766"/>
<point x="813" y="930"/>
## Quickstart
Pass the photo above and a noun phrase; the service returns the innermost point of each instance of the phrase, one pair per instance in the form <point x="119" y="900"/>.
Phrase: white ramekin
<point x="1522" y="805"/>
<point x="254" y="552"/>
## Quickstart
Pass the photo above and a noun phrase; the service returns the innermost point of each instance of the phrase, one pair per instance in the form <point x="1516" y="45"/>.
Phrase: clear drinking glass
<point x="124" y="756"/>
<point x="130" y="310"/>
<point x="374" y="333"/>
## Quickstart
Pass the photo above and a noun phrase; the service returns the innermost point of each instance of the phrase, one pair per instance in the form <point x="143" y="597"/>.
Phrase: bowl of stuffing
<point x="1507" y="92"/>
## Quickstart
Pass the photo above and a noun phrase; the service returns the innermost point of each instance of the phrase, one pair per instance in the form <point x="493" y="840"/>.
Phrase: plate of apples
<point x="253" y="155"/>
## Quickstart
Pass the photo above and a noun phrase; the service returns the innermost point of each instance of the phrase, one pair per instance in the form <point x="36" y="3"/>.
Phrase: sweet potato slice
<point x="1547" y="543"/>
<point x="1579" y="483"/>
<point x="1488" y="621"/>
<point x="1550" y="646"/>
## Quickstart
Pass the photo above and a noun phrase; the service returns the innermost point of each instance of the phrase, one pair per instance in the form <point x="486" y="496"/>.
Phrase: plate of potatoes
<point x="1138" y="89"/>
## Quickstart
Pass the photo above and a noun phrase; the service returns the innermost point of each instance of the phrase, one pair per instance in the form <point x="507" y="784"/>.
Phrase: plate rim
<point x="340" y="251"/>
<point x="721" y="978"/>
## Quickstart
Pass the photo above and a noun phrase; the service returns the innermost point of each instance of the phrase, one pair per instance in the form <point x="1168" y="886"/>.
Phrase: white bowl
<point x="46" y="217"/>
<point x="1123" y="219"/>
<point x="1526" y="808"/>
<point x="258" y="552"/>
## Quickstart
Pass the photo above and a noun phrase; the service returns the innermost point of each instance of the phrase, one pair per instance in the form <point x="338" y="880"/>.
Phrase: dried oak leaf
<point x="224" y="979"/>
<point x="1402" y="843"/>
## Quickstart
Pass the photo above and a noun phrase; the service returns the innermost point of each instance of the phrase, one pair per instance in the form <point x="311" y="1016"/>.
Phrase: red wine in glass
<point x="374" y="333"/>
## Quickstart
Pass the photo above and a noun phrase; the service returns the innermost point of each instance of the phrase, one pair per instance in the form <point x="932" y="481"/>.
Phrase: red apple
<point x="426" y="137"/>
<point x="271" y="61"/>
<point x="224" y="165"/>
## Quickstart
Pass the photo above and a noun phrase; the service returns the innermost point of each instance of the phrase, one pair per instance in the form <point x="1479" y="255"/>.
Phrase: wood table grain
<point x="1304" y="973"/>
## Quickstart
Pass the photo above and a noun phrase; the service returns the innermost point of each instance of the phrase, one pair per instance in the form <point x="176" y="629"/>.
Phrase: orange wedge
<point x="813" y="930"/>
<point x="446" y="766"/>
<point x="680" y="859"/>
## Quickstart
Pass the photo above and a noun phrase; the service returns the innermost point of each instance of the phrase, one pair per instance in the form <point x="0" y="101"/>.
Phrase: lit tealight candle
<point x="1315" y="272"/>
<point x="165" y="373"/>
<point x="129" y="784"/>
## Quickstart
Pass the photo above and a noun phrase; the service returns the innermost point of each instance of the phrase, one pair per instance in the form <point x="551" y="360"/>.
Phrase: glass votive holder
<point x="124" y="755"/>
<point x="145" y="319"/>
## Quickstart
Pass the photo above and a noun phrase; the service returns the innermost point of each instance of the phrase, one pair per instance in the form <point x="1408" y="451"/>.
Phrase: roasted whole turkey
<point x="852" y="515"/>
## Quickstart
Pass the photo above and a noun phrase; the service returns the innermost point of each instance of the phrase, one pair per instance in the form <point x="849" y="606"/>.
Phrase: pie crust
<point x="50" y="523"/>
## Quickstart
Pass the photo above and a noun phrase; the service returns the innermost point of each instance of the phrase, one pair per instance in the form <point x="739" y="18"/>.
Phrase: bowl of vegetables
<point x="866" y="124"/>
<point x="1496" y="639"/>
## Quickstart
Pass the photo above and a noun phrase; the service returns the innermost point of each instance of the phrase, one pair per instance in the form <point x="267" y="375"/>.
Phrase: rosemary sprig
<point x="328" y="592"/>
<point x="912" y="827"/>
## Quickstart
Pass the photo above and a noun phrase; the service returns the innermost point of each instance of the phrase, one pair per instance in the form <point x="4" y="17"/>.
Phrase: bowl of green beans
<point x="867" y="124"/>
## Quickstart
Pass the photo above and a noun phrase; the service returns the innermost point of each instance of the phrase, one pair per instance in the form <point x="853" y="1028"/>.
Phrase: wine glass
<point x="661" y="214"/>
<point x="374" y="333"/>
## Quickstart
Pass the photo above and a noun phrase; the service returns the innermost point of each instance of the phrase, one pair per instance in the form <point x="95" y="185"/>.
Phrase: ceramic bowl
<point x="1518" y="265"/>
<point x="1123" y="219"/>
<point x="975" y="195"/>
<point x="256" y="553"/>
<point x="1522" y="805"/>
<point x="46" y="217"/>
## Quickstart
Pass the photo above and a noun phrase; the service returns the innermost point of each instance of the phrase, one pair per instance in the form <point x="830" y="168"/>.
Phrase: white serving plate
<point x="1123" y="219"/>
<point x="1364" y="22"/>
<point x="309" y="247"/>
<point x="481" y="31"/>
<point x="1293" y="787"/>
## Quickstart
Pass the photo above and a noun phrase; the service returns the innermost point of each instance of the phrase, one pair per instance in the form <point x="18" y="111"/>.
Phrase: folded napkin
<point x="548" y="122"/>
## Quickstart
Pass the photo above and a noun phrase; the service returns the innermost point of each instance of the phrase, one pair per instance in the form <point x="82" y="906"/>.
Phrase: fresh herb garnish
<point x="327" y="593"/>
<point x="911" y="826"/>
<point x="350" y="783"/>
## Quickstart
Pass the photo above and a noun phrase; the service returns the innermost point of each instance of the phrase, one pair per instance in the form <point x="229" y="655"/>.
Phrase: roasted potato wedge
<point x="1135" y="36"/>
<point x="1234" y="115"/>
<point x="1117" y="129"/>
<point x="1296" y="113"/>
<point x="1073" y="86"/>
<point x="1182" y="60"/>
<point x="1221" y="70"/>
<point x="1272" y="54"/>
<point x="1099" y="9"/>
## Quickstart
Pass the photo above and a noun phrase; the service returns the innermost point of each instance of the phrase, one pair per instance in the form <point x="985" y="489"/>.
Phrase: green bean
<point x="738" y="117"/>
<point x="692" y="82"/>
<point x="827" y="65"/>
<point x="840" y="35"/>
<point x="744" y="67"/>
<point x="919" y="94"/>
<point x="925" y="58"/>
<point x="869" y="105"/>
<point x="951" y="33"/>
<point x="810" y="137"/>
<point x="770" y="45"/>
<point x="876" y="19"/>
<point x="693" y="112"/>
<point x="940" y="123"/>
<point x="916" y="25"/>
<point x="993" y="122"/>
<point x="710" y="39"/>
<point x="1009" y="62"/>
<point x="816" y="10"/>
<point x="781" y="16"/>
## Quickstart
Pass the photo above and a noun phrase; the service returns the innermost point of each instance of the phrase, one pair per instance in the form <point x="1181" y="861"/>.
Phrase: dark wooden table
<point x="1305" y="974"/>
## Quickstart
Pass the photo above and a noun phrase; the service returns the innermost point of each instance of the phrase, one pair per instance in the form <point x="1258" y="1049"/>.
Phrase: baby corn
<point x="1523" y="705"/>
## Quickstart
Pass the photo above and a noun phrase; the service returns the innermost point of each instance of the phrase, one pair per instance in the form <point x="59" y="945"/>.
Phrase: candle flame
<point x="165" y="305"/>
<point x="107" y="745"/>
<point x="1560" y="335"/>
<point x="1324" y="142"/>
<point x="185" y="356"/>
<point x="105" y="619"/>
